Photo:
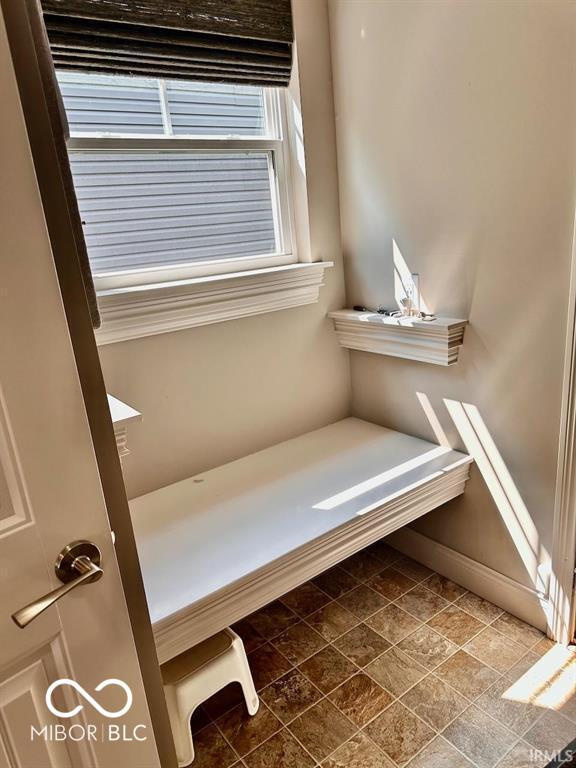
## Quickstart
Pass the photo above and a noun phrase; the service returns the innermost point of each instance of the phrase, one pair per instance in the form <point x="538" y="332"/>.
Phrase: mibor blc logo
<point x="89" y="731"/>
<point x="84" y="693"/>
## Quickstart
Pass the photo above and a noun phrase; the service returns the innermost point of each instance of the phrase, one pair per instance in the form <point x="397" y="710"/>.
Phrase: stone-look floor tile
<point x="548" y="681"/>
<point x="245" y="732"/>
<point x="298" y="642"/>
<point x="523" y="756"/>
<point x="399" y="733"/>
<point x="456" y="625"/>
<point x="200" y="719"/>
<point x="516" y="715"/>
<point x="479" y="608"/>
<point x="395" y="671"/>
<point x="526" y="664"/>
<point x="363" y="601"/>
<point x="210" y="749"/>
<point x="427" y="647"/>
<point x="495" y="649"/>
<point x="363" y="565"/>
<point x="362" y="645"/>
<point x="442" y="586"/>
<point x="335" y="582"/>
<point x="322" y="729"/>
<point x="422" y="603"/>
<point x="543" y="646"/>
<point x="332" y="620"/>
<point x="393" y="623"/>
<point x="440" y="754"/>
<point x="435" y="702"/>
<point x="415" y="571"/>
<point x="266" y="665"/>
<point x="391" y="583"/>
<point x="271" y="620"/>
<point x="567" y="705"/>
<point x="467" y="675"/>
<point x="249" y="636"/>
<point x="552" y="732"/>
<point x="479" y="737"/>
<point x="281" y="750"/>
<point x="358" y="752"/>
<point x="223" y="701"/>
<point x="289" y="696"/>
<point x="360" y="699"/>
<point x="305" y="599"/>
<point x="327" y="669"/>
<point x="517" y="630"/>
<point x="385" y="552"/>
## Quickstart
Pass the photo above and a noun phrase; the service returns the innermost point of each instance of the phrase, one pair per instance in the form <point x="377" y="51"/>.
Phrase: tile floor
<point x="380" y="663"/>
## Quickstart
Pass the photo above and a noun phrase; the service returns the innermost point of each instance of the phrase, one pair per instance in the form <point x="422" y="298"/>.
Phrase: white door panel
<point x="50" y="495"/>
<point x="22" y="702"/>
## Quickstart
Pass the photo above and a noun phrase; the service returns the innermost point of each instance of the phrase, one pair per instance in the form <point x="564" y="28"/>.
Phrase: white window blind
<point x="172" y="173"/>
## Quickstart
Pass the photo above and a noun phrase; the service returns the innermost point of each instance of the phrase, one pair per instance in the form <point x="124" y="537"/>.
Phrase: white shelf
<point x="122" y="415"/>
<point x="428" y="341"/>
<point x="215" y="547"/>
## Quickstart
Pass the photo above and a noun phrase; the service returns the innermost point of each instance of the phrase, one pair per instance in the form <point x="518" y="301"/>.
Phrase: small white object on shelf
<point x="435" y="341"/>
<point x="122" y="415"/>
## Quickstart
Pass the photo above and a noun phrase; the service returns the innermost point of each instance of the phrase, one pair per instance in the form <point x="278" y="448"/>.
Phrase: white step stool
<point x="197" y="674"/>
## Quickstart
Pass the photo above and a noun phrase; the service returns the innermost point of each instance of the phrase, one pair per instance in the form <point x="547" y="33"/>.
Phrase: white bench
<point x="218" y="546"/>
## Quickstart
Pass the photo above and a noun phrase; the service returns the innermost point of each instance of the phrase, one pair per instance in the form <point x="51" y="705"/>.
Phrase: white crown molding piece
<point x="122" y="415"/>
<point x="428" y="341"/>
<point x="180" y="631"/>
<point x="130" y="313"/>
<point x="524" y="602"/>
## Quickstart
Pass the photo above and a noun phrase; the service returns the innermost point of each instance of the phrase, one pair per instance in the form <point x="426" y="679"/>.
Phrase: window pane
<point x="111" y="104"/>
<point x="121" y="105"/>
<point x="153" y="208"/>
<point x="211" y="109"/>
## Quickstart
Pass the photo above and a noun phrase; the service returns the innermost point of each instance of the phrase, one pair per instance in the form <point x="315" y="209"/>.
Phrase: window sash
<point x="275" y="143"/>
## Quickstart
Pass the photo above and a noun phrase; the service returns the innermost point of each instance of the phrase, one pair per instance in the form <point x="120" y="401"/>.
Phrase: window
<point x="177" y="179"/>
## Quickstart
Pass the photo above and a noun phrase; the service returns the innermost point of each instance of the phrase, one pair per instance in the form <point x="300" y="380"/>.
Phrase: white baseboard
<point x="521" y="601"/>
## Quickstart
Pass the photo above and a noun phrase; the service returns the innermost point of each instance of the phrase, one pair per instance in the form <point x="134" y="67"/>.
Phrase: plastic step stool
<point x="197" y="674"/>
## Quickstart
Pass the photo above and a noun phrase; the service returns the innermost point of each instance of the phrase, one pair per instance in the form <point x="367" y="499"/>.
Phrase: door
<point x="50" y="495"/>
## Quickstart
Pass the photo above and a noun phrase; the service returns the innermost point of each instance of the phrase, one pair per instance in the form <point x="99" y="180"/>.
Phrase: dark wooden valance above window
<point x="239" y="41"/>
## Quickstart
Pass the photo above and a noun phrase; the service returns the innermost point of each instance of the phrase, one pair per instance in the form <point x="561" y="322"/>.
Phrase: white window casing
<point x="184" y="229"/>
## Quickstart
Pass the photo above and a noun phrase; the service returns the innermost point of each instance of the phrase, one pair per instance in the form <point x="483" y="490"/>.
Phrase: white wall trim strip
<point x="521" y="601"/>
<point x="563" y="582"/>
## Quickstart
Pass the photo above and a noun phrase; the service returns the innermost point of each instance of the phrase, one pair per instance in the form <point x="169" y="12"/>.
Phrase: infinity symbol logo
<point x="90" y="699"/>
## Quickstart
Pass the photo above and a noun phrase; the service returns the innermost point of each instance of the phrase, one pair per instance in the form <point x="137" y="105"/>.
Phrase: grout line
<point x="505" y="755"/>
<point x="439" y="736"/>
<point x="363" y="669"/>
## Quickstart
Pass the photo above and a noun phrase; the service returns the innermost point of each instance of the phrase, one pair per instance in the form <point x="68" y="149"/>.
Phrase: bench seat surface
<point x="202" y="534"/>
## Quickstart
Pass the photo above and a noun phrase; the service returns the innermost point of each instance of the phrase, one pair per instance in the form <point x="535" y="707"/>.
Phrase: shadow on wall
<point x="472" y="431"/>
<point x="499" y="482"/>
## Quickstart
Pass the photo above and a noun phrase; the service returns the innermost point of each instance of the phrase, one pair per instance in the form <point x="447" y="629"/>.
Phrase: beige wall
<point x="212" y="394"/>
<point x="456" y="130"/>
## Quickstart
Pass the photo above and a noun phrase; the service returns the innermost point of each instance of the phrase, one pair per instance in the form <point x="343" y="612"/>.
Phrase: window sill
<point x="131" y="313"/>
